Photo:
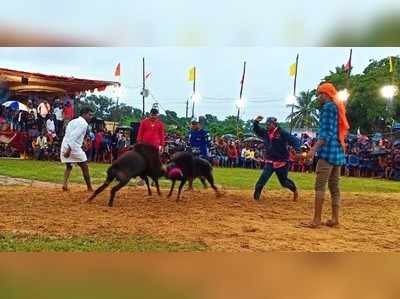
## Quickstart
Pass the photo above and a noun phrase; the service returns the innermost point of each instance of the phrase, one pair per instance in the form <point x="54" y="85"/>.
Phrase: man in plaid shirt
<point x="330" y="148"/>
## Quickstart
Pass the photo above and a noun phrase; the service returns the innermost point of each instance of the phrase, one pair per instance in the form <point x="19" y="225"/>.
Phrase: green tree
<point x="305" y="113"/>
<point x="366" y="108"/>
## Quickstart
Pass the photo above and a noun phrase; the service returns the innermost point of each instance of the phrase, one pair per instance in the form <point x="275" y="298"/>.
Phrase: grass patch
<point x="235" y="178"/>
<point x="39" y="243"/>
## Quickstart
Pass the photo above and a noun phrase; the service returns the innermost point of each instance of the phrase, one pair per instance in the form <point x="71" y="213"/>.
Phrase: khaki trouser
<point x="328" y="173"/>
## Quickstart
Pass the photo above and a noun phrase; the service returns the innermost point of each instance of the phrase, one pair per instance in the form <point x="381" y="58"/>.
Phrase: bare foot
<point x="65" y="188"/>
<point x="331" y="223"/>
<point x="295" y="196"/>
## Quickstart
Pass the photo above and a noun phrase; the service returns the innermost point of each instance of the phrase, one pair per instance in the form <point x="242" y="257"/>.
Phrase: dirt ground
<point x="232" y="223"/>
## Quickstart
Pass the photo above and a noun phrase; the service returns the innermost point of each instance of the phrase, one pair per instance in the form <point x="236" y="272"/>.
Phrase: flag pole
<point x="119" y="86"/>
<point x="294" y="93"/>
<point x="144" y="87"/>
<point x="348" y="71"/>
<point x="240" y="98"/>
<point x="194" y="90"/>
<point x="187" y="108"/>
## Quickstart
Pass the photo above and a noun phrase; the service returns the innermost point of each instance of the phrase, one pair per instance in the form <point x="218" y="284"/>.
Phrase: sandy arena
<point x="234" y="222"/>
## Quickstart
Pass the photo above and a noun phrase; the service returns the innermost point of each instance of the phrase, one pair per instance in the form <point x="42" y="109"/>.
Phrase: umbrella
<point x="377" y="137"/>
<point x="228" y="136"/>
<point x="252" y="139"/>
<point x="379" y="152"/>
<point x="15" y="105"/>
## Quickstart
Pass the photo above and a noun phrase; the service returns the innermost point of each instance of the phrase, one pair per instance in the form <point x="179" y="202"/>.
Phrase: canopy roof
<point x="20" y="83"/>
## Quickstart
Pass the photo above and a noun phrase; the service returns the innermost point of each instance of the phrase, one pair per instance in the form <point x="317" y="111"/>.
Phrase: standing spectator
<point x="43" y="110"/>
<point x="59" y="118"/>
<point x="30" y="120"/>
<point x="249" y="157"/>
<point x="232" y="155"/>
<point x="15" y="120"/>
<point x="92" y="138"/>
<point x="97" y="146"/>
<point x="106" y="148"/>
<point x="114" y="142"/>
<point x="330" y="147"/>
<point x="50" y="126"/>
<point x="32" y="109"/>
<point x="242" y="158"/>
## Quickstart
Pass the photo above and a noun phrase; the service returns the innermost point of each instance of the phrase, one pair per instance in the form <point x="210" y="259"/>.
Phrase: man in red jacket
<point x="151" y="130"/>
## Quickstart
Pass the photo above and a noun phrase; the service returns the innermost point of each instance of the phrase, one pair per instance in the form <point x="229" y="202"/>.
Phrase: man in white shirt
<point x="242" y="157"/>
<point x="71" y="147"/>
<point x="40" y="146"/>
<point x="51" y="127"/>
<point x="59" y="121"/>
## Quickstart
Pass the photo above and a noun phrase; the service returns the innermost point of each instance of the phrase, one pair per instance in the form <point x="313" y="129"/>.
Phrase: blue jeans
<point x="281" y="173"/>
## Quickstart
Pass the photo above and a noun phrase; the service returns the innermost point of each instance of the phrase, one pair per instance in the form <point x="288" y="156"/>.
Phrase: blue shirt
<point x="331" y="150"/>
<point x="199" y="139"/>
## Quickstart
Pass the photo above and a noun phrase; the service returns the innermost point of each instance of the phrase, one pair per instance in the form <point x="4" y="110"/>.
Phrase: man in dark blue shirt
<point x="199" y="139"/>
<point x="276" y="141"/>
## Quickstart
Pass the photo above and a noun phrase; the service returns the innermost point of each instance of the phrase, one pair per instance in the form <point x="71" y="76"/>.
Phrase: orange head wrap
<point x="343" y="125"/>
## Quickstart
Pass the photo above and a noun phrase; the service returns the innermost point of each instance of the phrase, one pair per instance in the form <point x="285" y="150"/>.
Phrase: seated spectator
<point x="40" y="146"/>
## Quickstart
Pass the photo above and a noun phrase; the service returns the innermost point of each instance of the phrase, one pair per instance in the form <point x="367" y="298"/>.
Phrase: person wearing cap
<point x="276" y="141"/>
<point x="199" y="138"/>
<point x="331" y="152"/>
<point x="151" y="130"/>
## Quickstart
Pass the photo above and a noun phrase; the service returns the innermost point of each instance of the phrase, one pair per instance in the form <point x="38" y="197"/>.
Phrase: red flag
<point x="147" y="76"/>
<point x="118" y="70"/>
<point x="348" y="65"/>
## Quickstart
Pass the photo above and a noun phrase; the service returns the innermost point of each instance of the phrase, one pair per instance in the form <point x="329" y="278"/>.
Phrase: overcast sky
<point x="194" y="22"/>
<point x="219" y="69"/>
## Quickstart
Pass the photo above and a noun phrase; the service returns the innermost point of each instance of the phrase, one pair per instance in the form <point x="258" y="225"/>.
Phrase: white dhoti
<point x="73" y="139"/>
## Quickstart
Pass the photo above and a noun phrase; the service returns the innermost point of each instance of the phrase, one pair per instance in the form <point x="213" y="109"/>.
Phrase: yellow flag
<point x="390" y="64"/>
<point x="292" y="70"/>
<point x="192" y="73"/>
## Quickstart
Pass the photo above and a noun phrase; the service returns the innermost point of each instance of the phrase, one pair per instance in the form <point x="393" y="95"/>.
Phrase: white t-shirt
<point x="243" y="153"/>
<point x="44" y="109"/>
<point x="58" y="112"/>
<point x="50" y="126"/>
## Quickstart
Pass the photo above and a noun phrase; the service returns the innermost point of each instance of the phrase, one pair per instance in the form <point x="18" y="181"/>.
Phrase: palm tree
<point x="305" y="112"/>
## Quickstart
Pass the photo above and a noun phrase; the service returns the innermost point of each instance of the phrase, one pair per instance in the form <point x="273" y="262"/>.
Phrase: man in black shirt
<point x="276" y="141"/>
